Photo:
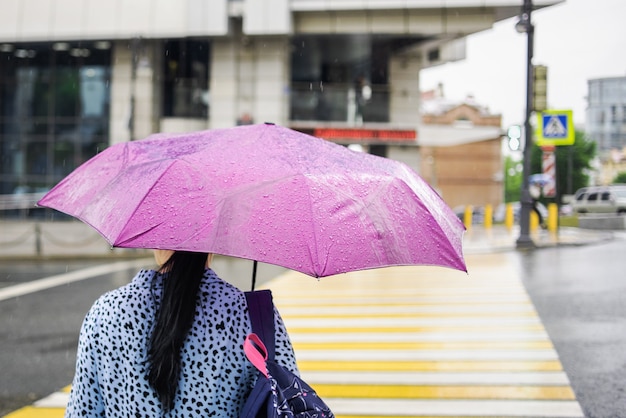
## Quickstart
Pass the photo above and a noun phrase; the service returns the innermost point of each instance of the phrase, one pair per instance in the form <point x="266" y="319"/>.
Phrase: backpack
<point x="277" y="393"/>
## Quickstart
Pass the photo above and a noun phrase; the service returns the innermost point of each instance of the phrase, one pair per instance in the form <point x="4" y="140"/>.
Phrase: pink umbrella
<point x="264" y="193"/>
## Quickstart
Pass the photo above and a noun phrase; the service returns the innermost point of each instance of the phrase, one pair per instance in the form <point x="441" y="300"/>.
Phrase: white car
<point x="600" y="199"/>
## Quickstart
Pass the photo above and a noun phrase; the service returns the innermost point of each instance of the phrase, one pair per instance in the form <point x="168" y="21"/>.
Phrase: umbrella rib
<point x="315" y="237"/>
<point x="138" y="205"/>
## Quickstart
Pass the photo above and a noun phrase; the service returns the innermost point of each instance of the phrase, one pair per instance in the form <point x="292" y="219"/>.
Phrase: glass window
<point x="54" y="111"/>
<point x="340" y="78"/>
<point x="186" y="78"/>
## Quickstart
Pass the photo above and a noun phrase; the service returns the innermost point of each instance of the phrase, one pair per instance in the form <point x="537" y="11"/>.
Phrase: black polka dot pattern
<point x="111" y="367"/>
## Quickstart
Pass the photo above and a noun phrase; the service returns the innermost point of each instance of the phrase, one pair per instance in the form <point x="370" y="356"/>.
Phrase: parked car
<point x="600" y="199"/>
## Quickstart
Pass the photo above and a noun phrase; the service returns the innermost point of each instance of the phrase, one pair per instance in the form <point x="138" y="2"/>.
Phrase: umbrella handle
<point x="254" y="266"/>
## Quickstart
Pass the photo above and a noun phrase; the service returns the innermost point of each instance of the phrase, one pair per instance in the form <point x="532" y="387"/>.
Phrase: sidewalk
<point x="499" y="238"/>
<point x="422" y="341"/>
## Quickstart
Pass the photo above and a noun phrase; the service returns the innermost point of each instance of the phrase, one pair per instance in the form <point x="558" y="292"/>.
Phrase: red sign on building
<point x="366" y="135"/>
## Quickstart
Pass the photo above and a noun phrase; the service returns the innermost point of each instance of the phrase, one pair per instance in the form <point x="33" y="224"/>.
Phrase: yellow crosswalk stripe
<point x="454" y="345"/>
<point x="412" y="330"/>
<point x="36" y="412"/>
<point x="445" y="392"/>
<point x="416" y="366"/>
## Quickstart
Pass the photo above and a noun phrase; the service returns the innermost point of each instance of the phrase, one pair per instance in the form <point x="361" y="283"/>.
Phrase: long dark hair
<point x="183" y="274"/>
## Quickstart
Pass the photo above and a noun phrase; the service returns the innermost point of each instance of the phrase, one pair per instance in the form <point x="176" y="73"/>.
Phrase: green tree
<point x="572" y="164"/>
<point x="620" y="178"/>
<point x="512" y="179"/>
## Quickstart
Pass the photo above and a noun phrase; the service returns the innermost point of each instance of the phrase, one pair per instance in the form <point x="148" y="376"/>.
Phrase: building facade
<point x="606" y="124"/>
<point x="78" y="75"/>
<point x="462" y="155"/>
<point x="606" y="114"/>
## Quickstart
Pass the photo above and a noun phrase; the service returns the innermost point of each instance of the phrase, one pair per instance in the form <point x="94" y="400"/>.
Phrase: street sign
<point x="555" y="127"/>
<point x="540" y="88"/>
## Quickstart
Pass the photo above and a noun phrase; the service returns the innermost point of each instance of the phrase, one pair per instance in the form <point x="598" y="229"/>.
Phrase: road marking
<point x="65" y="278"/>
<point x="385" y="344"/>
<point x="437" y="378"/>
<point x="56" y="400"/>
<point x="404" y="310"/>
<point x="444" y="347"/>
<point x="466" y="334"/>
<point x="408" y="321"/>
<point x="36" y="412"/>
<point x="342" y="366"/>
<point x="445" y="392"/>
<point x="457" y="408"/>
<point x="483" y="329"/>
<point x="428" y="355"/>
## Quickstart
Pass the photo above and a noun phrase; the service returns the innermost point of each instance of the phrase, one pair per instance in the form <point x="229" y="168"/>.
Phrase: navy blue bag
<point x="278" y="393"/>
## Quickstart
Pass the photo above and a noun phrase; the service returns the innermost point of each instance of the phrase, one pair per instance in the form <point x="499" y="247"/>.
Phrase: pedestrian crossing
<point x="424" y="342"/>
<point x="416" y="342"/>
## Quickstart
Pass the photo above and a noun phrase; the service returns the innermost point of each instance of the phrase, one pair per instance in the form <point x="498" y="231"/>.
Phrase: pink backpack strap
<point x="256" y="352"/>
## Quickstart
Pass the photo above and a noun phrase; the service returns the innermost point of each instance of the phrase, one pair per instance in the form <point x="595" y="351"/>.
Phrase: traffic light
<point x="540" y="88"/>
<point x="514" y="134"/>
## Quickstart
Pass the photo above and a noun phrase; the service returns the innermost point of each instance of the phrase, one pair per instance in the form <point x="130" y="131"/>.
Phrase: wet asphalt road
<point x="579" y="293"/>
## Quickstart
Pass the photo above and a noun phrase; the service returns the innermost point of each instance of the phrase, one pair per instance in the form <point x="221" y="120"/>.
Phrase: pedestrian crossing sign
<point x="555" y="127"/>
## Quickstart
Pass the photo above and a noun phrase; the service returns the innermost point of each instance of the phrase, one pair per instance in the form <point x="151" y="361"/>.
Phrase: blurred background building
<point x="606" y="124"/>
<point x="461" y="150"/>
<point x="606" y="113"/>
<point x="79" y="75"/>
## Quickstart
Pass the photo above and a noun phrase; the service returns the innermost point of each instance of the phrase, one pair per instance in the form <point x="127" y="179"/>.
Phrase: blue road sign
<point x="555" y="127"/>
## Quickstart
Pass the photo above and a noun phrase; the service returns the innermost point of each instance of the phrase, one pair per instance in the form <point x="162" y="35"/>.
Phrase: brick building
<point x="461" y="152"/>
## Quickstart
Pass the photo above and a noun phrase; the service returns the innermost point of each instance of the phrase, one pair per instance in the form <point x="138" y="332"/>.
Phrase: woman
<point x="168" y="344"/>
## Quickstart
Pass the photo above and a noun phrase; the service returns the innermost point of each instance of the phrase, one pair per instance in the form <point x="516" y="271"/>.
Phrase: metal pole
<point x="135" y="44"/>
<point x="525" y="241"/>
<point x="570" y="168"/>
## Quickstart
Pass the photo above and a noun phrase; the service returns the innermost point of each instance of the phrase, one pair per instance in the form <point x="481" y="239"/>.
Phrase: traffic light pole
<point x="525" y="241"/>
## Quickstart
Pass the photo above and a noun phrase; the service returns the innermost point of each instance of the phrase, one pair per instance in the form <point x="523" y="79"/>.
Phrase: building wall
<point x="463" y="112"/>
<point x="250" y="49"/>
<point x="405" y="92"/>
<point x="606" y="114"/>
<point x="143" y="88"/>
<point x="49" y="20"/>
<point x="249" y="77"/>
<point x="465" y="174"/>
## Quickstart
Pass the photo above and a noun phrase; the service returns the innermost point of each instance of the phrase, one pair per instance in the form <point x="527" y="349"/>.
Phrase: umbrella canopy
<point x="265" y="193"/>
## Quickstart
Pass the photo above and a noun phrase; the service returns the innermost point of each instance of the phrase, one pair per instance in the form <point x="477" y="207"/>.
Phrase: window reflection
<point x="186" y="78"/>
<point x="340" y="79"/>
<point x="54" y="112"/>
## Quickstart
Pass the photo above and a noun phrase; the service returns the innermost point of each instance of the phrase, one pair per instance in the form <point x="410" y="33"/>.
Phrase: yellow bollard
<point x="534" y="220"/>
<point x="467" y="216"/>
<point x="509" y="216"/>
<point x="488" y="221"/>
<point x="553" y="217"/>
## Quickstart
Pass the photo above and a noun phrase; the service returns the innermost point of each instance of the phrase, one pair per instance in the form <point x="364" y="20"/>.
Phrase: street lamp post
<point x="525" y="26"/>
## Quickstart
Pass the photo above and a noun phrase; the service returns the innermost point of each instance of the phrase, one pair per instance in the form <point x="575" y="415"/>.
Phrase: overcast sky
<point x="578" y="40"/>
